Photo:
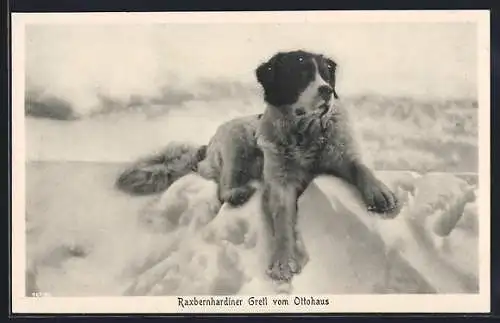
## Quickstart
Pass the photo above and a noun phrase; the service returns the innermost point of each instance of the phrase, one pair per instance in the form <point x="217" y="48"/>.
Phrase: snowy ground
<point x="87" y="239"/>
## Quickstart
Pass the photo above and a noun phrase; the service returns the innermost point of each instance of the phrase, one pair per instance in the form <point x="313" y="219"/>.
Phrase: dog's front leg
<point x="280" y="208"/>
<point x="234" y="184"/>
<point x="376" y="195"/>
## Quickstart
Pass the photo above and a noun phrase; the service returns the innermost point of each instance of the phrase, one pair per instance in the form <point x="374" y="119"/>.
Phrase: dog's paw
<point x="239" y="195"/>
<point x="283" y="267"/>
<point x="380" y="199"/>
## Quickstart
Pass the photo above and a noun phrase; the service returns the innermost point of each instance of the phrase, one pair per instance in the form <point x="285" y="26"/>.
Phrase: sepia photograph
<point x="251" y="162"/>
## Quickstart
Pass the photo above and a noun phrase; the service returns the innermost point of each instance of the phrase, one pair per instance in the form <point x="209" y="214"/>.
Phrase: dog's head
<point x="299" y="80"/>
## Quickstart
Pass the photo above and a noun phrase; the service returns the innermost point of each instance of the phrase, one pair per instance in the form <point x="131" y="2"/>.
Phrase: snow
<point x="85" y="238"/>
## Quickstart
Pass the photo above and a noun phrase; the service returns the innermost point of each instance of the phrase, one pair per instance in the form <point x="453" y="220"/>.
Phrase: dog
<point x="303" y="132"/>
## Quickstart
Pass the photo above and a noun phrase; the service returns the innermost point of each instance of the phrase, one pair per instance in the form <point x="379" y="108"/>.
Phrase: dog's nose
<point x="325" y="92"/>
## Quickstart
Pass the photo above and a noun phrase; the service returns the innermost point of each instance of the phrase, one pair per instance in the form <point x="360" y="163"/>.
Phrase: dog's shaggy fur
<point x="303" y="133"/>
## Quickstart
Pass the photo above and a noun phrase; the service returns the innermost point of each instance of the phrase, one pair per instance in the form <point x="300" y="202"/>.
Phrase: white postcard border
<point x="337" y="303"/>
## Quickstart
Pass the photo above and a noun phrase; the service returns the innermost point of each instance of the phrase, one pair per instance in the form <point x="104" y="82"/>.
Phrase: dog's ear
<point x="266" y="72"/>
<point x="332" y="70"/>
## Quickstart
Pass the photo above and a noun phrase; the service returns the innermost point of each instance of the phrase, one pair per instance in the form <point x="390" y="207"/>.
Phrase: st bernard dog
<point x="302" y="133"/>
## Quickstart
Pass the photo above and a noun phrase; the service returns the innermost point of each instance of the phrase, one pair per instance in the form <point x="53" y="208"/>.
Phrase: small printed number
<point x="40" y="294"/>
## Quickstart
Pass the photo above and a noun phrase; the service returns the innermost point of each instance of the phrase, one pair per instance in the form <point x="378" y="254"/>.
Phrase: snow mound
<point x="227" y="253"/>
<point x="436" y="231"/>
<point x="211" y="251"/>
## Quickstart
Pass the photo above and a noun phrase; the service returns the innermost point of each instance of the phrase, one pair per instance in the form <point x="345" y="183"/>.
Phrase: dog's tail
<point x="155" y="173"/>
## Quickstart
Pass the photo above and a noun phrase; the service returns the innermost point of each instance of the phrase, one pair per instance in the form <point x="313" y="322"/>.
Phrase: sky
<point x="401" y="59"/>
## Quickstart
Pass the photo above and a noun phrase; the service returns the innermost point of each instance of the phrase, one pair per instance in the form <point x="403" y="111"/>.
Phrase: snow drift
<point x="90" y="240"/>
